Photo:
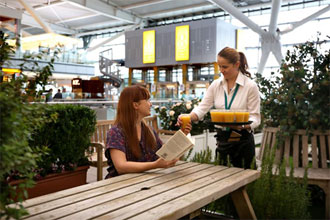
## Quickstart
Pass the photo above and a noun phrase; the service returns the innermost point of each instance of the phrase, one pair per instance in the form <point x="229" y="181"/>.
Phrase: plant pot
<point x="57" y="182"/>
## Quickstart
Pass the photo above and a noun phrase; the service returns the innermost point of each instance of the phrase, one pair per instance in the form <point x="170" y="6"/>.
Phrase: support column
<point x="154" y="86"/>
<point x="184" y="76"/>
<point x="216" y="71"/>
<point x="130" y="76"/>
<point x="18" y="31"/>
<point x="144" y="75"/>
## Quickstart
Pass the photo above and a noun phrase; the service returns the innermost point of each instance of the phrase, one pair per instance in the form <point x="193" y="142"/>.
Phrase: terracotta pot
<point x="57" y="182"/>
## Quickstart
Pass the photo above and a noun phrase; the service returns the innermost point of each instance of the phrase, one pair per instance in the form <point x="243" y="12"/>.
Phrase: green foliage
<point x="169" y="113"/>
<point x="67" y="137"/>
<point x="279" y="196"/>
<point x="18" y="120"/>
<point x="299" y="98"/>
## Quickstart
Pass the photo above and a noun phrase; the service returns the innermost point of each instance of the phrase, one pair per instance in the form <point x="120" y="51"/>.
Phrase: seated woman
<point x="131" y="143"/>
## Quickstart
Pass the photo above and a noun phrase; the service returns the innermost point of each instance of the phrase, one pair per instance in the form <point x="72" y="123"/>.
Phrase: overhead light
<point x="48" y="40"/>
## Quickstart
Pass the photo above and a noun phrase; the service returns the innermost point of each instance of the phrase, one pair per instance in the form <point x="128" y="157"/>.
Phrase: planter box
<point x="57" y="182"/>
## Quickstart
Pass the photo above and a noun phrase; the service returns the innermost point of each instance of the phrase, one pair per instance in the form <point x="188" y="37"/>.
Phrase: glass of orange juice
<point x="239" y="115"/>
<point x="217" y="115"/>
<point x="246" y="116"/>
<point x="185" y="118"/>
<point x="228" y="116"/>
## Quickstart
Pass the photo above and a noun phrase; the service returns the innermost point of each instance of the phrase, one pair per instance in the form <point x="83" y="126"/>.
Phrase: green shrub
<point x="279" y="196"/>
<point x="67" y="137"/>
<point x="298" y="97"/>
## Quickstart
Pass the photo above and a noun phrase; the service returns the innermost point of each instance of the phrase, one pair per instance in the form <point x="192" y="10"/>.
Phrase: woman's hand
<point x="187" y="126"/>
<point x="161" y="163"/>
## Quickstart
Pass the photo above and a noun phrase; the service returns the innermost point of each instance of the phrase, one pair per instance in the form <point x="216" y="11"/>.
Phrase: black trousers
<point x="241" y="153"/>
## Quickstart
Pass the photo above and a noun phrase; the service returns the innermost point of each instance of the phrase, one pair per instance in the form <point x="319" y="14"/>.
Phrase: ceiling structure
<point x="89" y="17"/>
<point x="85" y="18"/>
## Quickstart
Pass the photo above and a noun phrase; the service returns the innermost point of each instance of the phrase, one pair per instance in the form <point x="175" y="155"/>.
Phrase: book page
<point x="175" y="146"/>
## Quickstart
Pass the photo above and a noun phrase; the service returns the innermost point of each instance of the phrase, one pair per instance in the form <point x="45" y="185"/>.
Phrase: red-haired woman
<point x="131" y="143"/>
<point x="234" y="91"/>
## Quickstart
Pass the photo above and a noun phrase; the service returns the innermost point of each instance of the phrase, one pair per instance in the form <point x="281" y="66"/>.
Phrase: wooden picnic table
<point x="156" y="194"/>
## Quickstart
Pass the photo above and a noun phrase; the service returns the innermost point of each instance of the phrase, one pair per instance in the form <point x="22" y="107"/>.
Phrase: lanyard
<point x="232" y="98"/>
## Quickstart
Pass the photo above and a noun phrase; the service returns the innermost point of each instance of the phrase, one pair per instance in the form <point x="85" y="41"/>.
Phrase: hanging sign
<point x="182" y="43"/>
<point x="149" y="42"/>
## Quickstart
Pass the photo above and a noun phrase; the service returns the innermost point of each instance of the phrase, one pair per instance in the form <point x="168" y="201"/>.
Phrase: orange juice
<point x="246" y="116"/>
<point x="185" y="118"/>
<point x="240" y="116"/>
<point x="217" y="116"/>
<point x="228" y="116"/>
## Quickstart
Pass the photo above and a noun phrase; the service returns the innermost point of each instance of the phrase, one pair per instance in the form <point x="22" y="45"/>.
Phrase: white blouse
<point x="247" y="98"/>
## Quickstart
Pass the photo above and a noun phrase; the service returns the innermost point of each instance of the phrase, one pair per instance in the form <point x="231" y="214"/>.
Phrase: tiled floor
<point x="91" y="174"/>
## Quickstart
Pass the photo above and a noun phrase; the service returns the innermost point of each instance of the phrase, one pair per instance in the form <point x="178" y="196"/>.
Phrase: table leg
<point x="242" y="204"/>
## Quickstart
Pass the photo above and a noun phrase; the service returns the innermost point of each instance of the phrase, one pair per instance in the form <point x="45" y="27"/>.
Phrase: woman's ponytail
<point x="243" y="64"/>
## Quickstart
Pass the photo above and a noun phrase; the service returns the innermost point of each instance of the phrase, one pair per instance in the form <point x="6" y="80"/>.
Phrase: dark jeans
<point x="241" y="153"/>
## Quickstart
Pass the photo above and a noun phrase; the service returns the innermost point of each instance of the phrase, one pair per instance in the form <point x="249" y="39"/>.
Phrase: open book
<point x="175" y="147"/>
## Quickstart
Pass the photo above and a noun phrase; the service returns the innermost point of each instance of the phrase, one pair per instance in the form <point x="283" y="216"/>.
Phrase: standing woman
<point x="234" y="91"/>
<point x="131" y="143"/>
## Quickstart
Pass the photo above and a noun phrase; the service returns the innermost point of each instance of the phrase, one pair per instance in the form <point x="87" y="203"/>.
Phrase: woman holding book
<point x="131" y="143"/>
<point x="234" y="91"/>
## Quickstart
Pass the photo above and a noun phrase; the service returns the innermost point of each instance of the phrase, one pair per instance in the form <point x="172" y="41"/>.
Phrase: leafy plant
<point x="169" y="113"/>
<point x="299" y="96"/>
<point x="18" y="120"/>
<point x="278" y="196"/>
<point x="67" y="136"/>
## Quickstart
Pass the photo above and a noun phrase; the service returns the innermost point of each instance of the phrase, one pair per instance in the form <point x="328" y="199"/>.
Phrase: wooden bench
<point x="98" y="142"/>
<point x="312" y="153"/>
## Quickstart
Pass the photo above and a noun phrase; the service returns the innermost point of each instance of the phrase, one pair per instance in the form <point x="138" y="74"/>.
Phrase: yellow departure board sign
<point x="149" y="46"/>
<point x="182" y="43"/>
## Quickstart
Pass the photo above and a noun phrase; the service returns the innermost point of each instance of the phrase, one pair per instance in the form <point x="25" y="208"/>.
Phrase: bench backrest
<point x="300" y="147"/>
<point x="152" y="122"/>
<point x="101" y="129"/>
<point x="103" y="126"/>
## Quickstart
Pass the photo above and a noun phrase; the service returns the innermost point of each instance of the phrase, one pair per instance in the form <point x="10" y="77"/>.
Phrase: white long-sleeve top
<point x="247" y="98"/>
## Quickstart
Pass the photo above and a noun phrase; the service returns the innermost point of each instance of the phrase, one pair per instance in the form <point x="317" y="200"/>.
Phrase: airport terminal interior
<point x="106" y="45"/>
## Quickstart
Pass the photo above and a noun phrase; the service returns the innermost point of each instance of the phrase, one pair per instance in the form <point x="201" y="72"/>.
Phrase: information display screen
<point x="149" y="45"/>
<point x="182" y="43"/>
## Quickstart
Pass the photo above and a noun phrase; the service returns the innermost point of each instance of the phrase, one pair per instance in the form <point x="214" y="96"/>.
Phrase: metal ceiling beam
<point x="225" y="5"/>
<point x="12" y="28"/>
<point x="76" y="18"/>
<point x="11" y="13"/>
<point x="276" y="6"/>
<point x="95" y="25"/>
<point x="106" y="30"/>
<point x="105" y="9"/>
<point x="32" y="12"/>
<point x="112" y="38"/>
<point x="143" y="4"/>
<point x="51" y="4"/>
<point x="303" y="21"/>
<point x="176" y="9"/>
<point x="28" y="20"/>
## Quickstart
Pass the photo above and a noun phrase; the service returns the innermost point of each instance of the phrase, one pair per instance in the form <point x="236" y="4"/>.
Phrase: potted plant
<point x="18" y="121"/>
<point x="38" y="142"/>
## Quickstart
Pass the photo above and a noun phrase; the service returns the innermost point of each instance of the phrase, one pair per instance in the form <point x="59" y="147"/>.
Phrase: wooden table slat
<point x="182" y="206"/>
<point x="65" y="193"/>
<point x="109" y="192"/>
<point x="169" y="195"/>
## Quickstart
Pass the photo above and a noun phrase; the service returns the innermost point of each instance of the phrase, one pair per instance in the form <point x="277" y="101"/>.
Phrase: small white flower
<point x="162" y="108"/>
<point x="171" y="113"/>
<point x="156" y="107"/>
<point x="178" y="104"/>
<point x="188" y="106"/>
